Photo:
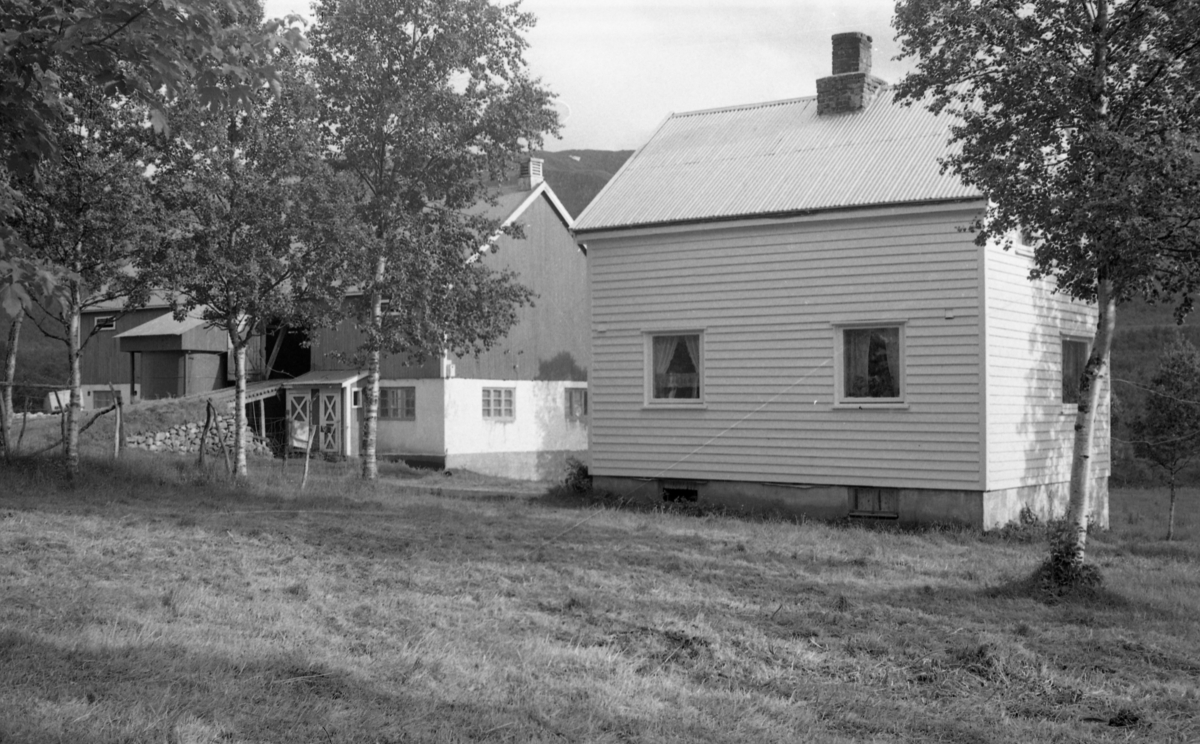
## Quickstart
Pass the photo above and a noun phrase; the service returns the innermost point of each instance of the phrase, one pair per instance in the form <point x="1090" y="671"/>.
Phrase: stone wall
<point x="185" y="438"/>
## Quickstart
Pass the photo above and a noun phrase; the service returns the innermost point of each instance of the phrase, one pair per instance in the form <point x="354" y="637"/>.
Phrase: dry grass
<point x="151" y="602"/>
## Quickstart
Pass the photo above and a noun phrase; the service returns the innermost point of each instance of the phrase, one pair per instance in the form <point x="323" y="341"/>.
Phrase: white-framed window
<point x="398" y="403"/>
<point x="106" y="323"/>
<point x="577" y="404"/>
<point x="1026" y="242"/>
<point x="1074" y="358"/>
<point x="869" y="363"/>
<point x="498" y="403"/>
<point x="104" y="398"/>
<point x="675" y="368"/>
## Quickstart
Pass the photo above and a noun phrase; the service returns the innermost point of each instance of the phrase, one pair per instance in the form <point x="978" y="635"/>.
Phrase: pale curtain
<point x="856" y="353"/>
<point x="664" y="352"/>
<point x="693" y="349"/>
<point x="891" y="340"/>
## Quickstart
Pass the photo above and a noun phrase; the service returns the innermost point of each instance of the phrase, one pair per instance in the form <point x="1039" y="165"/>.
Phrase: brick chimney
<point x="531" y="173"/>
<point x="851" y="86"/>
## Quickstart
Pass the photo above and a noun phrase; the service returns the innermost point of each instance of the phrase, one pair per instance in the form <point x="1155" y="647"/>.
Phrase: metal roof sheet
<point x="778" y="158"/>
<point x="254" y="391"/>
<point x="325" y="377"/>
<point x="164" y="325"/>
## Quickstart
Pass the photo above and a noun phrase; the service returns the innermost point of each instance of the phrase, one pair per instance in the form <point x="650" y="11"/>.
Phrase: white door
<point x="331" y="422"/>
<point x="299" y="419"/>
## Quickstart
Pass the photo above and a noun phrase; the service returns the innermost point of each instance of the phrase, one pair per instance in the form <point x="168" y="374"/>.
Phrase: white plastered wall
<point x="530" y="446"/>
<point x="424" y="435"/>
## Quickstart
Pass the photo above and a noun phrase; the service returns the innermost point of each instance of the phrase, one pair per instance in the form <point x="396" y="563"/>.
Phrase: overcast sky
<point x="620" y="67"/>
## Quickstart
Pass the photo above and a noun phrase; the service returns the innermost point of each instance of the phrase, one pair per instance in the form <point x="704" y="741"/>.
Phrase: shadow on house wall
<point x="561" y="366"/>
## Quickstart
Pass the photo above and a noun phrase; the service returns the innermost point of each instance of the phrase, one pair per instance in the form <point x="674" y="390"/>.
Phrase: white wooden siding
<point x="1030" y="432"/>
<point x="766" y="298"/>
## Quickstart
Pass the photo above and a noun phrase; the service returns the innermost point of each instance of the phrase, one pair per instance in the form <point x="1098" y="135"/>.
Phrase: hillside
<point x="578" y="175"/>
<point x="40" y="361"/>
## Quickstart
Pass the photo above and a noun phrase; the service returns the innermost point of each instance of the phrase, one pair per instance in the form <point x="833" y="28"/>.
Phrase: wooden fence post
<point x="221" y="437"/>
<point x="307" y="454"/>
<point x="204" y="432"/>
<point x="118" y="436"/>
<point x="62" y="420"/>
<point x="286" y="449"/>
<point x="24" y="420"/>
<point x="5" y="426"/>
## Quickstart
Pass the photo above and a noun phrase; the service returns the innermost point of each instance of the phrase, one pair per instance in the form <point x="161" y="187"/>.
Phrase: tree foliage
<point x="85" y="225"/>
<point x="1167" y="429"/>
<point x="1078" y="120"/>
<point x="260" y="223"/>
<point x="1103" y="162"/>
<point x="146" y="51"/>
<point x="424" y="101"/>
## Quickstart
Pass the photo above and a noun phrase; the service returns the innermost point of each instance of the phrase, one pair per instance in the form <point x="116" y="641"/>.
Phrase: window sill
<point x="499" y="420"/>
<point x="674" y="405"/>
<point x="864" y="406"/>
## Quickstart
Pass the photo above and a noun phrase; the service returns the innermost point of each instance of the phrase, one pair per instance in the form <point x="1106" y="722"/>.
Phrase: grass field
<point x="151" y="602"/>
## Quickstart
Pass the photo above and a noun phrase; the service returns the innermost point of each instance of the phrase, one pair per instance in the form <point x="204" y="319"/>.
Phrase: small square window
<point x="104" y="398"/>
<point x="676" y="367"/>
<point x="106" y="323"/>
<point x="577" y="404"/>
<point x="356" y="398"/>
<point x="498" y="403"/>
<point x="1074" y="360"/>
<point x="872" y="364"/>
<point x="398" y="403"/>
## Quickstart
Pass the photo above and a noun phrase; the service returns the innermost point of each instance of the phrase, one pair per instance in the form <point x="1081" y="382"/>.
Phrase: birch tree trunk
<point x="370" y="469"/>
<point x="10" y="374"/>
<point x="239" y="403"/>
<point x="1069" y="552"/>
<point x="75" y="406"/>
<point x="1171" y="512"/>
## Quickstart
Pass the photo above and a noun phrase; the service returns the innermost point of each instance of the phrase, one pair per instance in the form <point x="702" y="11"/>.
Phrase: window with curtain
<point x="398" y="403"/>
<point x="676" y="367"/>
<point x="498" y="403"/>
<point x="1074" y="359"/>
<point x="871" y="363"/>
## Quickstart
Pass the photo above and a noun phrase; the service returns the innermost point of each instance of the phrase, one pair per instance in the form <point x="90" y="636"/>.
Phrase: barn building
<point x="518" y="410"/>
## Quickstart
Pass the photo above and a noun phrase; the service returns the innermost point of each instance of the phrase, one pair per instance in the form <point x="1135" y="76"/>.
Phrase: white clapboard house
<point x="787" y="312"/>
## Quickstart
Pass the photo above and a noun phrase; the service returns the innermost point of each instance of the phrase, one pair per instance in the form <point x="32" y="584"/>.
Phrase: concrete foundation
<point x="912" y="506"/>
<point x="540" y="465"/>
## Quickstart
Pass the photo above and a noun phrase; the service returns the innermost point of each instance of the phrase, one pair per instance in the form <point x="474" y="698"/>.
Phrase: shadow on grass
<point x="155" y="691"/>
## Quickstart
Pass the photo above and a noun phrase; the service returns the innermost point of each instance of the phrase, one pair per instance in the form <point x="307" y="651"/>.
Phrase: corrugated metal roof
<point x="164" y="325"/>
<point x="778" y="158"/>
<point x="254" y="391"/>
<point x="325" y="377"/>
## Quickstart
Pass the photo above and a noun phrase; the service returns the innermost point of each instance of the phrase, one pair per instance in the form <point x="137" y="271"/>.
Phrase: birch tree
<point x="261" y="223"/>
<point x="146" y="51"/>
<point x="1078" y="119"/>
<point x="424" y="100"/>
<point x="84" y="226"/>
<point x="1167" y="429"/>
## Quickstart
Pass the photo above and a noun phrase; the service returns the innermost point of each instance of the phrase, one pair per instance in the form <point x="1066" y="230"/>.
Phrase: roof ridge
<point x="759" y="104"/>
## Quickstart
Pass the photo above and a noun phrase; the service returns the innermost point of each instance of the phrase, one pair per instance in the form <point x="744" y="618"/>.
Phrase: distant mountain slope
<point x="578" y="175"/>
